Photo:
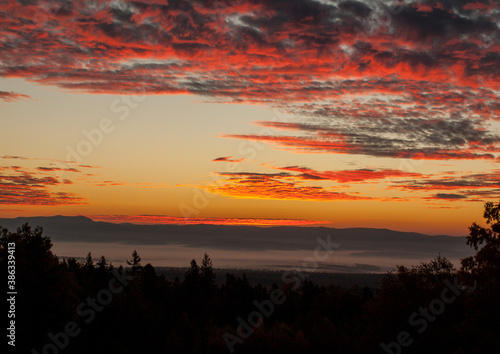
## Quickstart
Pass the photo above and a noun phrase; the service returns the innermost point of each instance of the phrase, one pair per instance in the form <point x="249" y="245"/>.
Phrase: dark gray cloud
<point x="415" y="138"/>
<point x="449" y="196"/>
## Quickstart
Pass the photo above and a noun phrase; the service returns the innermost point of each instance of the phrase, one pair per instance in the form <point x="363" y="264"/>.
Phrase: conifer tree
<point x="135" y="262"/>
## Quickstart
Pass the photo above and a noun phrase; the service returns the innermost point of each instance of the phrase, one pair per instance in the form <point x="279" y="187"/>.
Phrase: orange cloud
<point x="108" y="183"/>
<point x="163" y="219"/>
<point x="274" y="186"/>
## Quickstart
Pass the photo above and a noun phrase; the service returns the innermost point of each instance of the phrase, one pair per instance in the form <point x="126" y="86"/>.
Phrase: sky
<point x="377" y="113"/>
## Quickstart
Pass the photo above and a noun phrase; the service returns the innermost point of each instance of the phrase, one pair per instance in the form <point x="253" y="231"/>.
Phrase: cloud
<point x="448" y="196"/>
<point x="418" y="80"/>
<point x="24" y="188"/>
<point x="303" y="183"/>
<point x="476" y="187"/>
<point x="164" y="219"/>
<point x="228" y="159"/>
<point x="415" y="138"/>
<point x="52" y="169"/>
<point x="14" y="157"/>
<point x="467" y="181"/>
<point x="40" y="186"/>
<point x="176" y="47"/>
<point x="283" y="186"/>
<point x="349" y="176"/>
<point x="108" y="183"/>
<point x="60" y="164"/>
<point x="12" y="96"/>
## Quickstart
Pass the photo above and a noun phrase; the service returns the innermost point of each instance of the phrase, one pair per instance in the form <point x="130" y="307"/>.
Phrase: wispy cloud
<point x="415" y="138"/>
<point x="9" y="96"/>
<point x="447" y="196"/>
<point x="470" y="187"/>
<point x="284" y="186"/>
<point x="228" y="159"/>
<point x="25" y="188"/>
<point x="349" y="176"/>
<point x="52" y="169"/>
<point x="42" y="185"/>
<point x="469" y="181"/>
<point x="165" y="219"/>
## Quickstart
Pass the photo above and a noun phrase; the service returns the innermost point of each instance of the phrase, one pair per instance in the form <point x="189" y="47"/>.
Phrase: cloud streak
<point x="470" y="187"/>
<point x="415" y="138"/>
<point x="25" y="188"/>
<point x="12" y="96"/>
<point x="42" y="185"/>
<point x="228" y="159"/>
<point x="164" y="219"/>
<point x="349" y="176"/>
<point x="278" y="186"/>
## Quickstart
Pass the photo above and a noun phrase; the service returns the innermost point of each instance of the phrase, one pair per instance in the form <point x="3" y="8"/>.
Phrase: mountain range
<point x="356" y="243"/>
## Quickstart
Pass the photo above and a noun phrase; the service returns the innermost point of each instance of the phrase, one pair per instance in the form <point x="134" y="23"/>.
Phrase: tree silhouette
<point x="45" y="288"/>
<point x="89" y="263"/>
<point x="101" y="265"/>
<point x="481" y="273"/>
<point x="192" y="276"/>
<point x="207" y="276"/>
<point x="135" y="262"/>
<point x="484" y="266"/>
<point x="192" y="315"/>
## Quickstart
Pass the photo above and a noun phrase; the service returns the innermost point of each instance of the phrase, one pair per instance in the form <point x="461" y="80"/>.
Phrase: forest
<point x="71" y="306"/>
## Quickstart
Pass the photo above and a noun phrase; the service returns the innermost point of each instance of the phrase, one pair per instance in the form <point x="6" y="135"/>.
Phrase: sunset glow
<point x="160" y="219"/>
<point x="265" y="112"/>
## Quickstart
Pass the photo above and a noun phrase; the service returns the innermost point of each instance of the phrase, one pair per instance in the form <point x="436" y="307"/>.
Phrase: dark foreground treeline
<point x="81" y="307"/>
<point x="269" y="276"/>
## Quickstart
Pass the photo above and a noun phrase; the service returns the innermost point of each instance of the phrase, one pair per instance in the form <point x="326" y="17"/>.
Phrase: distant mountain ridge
<point x="361" y="241"/>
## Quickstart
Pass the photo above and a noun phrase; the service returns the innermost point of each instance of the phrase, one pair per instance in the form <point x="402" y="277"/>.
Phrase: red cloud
<point x="40" y="186"/>
<point x="12" y="96"/>
<point x="228" y="159"/>
<point x="27" y="189"/>
<point x="381" y="83"/>
<point x="478" y="6"/>
<point x="264" y="44"/>
<point x="163" y="219"/>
